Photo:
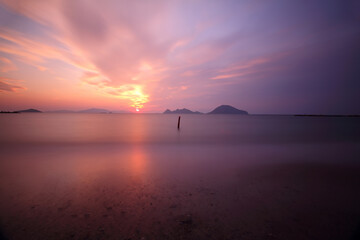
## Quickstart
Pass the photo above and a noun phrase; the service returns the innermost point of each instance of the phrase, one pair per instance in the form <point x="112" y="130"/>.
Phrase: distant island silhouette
<point x="181" y="111"/>
<point x="227" y="109"/>
<point x="223" y="109"/>
<point x="31" y="110"/>
<point x="90" y="110"/>
<point x="60" y="111"/>
<point x="8" y="112"/>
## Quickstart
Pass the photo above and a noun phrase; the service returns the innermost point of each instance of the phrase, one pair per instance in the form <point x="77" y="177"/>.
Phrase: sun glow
<point x="133" y="93"/>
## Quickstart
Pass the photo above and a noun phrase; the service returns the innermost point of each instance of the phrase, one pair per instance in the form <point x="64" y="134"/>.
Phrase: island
<point x="9" y="112"/>
<point x="31" y="110"/>
<point x="227" y="109"/>
<point x="181" y="111"/>
<point x="60" y="111"/>
<point x="90" y="110"/>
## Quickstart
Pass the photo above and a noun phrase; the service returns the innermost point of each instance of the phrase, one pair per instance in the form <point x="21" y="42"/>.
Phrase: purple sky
<point x="261" y="56"/>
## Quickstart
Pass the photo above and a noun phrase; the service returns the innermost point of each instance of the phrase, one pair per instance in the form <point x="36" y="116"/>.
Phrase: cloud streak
<point x="6" y="86"/>
<point x="160" y="53"/>
<point x="7" y="65"/>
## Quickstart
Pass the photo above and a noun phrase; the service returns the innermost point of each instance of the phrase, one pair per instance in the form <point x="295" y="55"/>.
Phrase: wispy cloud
<point x="34" y="52"/>
<point x="113" y="48"/>
<point x="138" y="52"/>
<point x="6" y="65"/>
<point x="9" y="87"/>
<point x="241" y="69"/>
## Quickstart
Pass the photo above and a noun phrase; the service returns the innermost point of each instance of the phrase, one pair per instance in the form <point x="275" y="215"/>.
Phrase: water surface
<point x="135" y="176"/>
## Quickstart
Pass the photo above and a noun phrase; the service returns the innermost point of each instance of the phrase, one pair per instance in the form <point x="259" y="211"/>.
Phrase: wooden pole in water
<point x="179" y="122"/>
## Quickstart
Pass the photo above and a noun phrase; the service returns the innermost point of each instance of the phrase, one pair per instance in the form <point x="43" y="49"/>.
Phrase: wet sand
<point x="94" y="191"/>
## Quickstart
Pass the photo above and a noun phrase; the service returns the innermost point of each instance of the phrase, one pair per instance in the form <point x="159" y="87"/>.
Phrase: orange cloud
<point x="127" y="56"/>
<point x="5" y="86"/>
<point x="33" y="52"/>
<point x="6" y="65"/>
<point x="95" y="78"/>
<point x="230" y="75"/>
<point x="245" y="64"/>
<point x="241" y="69"/>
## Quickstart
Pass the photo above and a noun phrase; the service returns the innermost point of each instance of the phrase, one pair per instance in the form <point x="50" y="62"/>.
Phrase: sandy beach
<point x="89" y="191"/>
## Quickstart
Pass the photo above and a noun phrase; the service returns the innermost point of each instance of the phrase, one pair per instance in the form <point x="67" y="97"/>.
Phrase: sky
<point x="265" y="56"/>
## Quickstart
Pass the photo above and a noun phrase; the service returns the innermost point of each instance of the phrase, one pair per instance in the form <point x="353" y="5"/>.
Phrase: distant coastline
<point x="8" y="112"/>
<point x="324" y="115"/>
<point x="222" y="109"/>
<point x="90" y="110"/>
<point x="31" y="110"/>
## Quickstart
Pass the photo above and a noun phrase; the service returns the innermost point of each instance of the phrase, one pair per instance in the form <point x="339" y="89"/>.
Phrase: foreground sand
<point x="180" y="192"/>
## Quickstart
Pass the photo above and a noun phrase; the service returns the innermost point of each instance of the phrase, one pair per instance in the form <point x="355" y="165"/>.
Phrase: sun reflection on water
<point x="137" y="163"/>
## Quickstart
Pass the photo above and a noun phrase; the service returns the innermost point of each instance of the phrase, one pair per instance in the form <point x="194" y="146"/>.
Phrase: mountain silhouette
<point x="181" y="111"/>
<point x="90" y="110"/>
<point x="31" y="110"/>
<point x="227" y="109"/>
<point x="60" y="111"/>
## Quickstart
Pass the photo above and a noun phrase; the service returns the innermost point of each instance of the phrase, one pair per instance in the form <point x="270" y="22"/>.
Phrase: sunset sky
<point x="261" y="56"/>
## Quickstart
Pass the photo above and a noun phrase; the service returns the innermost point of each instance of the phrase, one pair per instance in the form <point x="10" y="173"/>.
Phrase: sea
<point x="161" y="129"/>
<point x="122" y="176"/>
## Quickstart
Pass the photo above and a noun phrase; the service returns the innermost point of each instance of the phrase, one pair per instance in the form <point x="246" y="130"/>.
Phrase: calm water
<point x="161" y="129"/>
<point x="122" y="176"/>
